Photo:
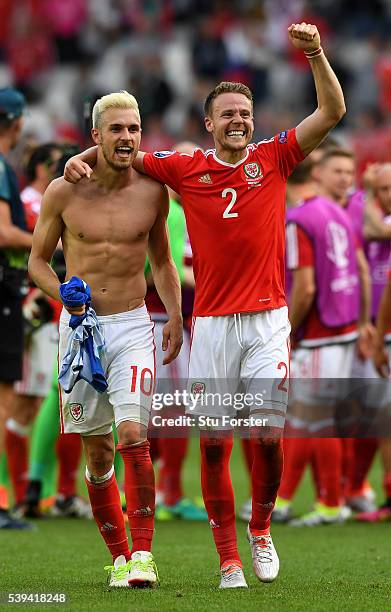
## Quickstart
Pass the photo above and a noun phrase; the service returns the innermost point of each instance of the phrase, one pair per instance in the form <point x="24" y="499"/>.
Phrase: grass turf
<point x="324" y="568"/>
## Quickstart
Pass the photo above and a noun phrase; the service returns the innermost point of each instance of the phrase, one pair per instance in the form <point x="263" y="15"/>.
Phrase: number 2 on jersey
<point x="227" y="214"/>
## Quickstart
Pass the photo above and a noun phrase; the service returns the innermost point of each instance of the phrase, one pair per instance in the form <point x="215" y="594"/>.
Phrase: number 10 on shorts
<point x="143" y="378"/>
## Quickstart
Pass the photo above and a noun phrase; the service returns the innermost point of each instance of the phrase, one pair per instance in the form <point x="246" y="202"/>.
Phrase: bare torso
<point x="105" y="239"/>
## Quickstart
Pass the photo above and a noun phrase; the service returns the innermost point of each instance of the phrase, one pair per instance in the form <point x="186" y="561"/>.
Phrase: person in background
<point x="15" y="243"/>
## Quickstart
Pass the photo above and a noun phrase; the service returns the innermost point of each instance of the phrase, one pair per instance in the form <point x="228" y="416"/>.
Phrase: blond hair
<point x="119" y="99"/>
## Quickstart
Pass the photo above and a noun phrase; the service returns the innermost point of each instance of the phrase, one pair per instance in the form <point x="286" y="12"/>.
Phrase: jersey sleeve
<point x="5" y="188"/>
<point x="166" y="167"/>
<point x="284" y="152"/>
<point x="299" y="248"/>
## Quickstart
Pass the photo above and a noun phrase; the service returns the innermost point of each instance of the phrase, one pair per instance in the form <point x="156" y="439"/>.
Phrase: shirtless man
<point x="107" y="225"/>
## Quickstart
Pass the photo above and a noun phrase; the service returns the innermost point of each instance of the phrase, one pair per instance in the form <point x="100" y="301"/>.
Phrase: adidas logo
<point x="108" y="527"/>
<point x="205" y="178"/>
<point x="143" y="512"/>
<point x="213" y="524"/>
<point x="267" y="505"/>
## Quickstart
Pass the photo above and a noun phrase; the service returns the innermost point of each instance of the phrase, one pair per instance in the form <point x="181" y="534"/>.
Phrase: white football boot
<point x="232" y="577"/>
<point x="118" y="573"/>
<point x="266" y="563"/>
<point x="143" y="571"/>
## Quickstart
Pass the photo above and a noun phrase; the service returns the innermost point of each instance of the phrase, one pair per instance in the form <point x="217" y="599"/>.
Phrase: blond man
<point x="107" y="225"/>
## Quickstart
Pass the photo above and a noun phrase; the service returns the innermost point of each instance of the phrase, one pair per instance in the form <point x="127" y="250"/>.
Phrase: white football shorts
<point x="239" y="364"/>
<point x="321" y="375"/>
<point x="38" y="359"/>
<point x="128" y="361"/>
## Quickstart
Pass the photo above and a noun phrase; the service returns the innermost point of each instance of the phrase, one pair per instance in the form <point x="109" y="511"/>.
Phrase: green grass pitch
<point x="341" y="567"/>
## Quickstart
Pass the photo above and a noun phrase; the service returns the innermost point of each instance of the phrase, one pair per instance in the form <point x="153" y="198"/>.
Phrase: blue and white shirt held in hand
<point x="82" y="357"/>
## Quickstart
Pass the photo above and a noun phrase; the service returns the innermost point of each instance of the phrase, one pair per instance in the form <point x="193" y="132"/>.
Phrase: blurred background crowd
<point x="170" y="53"/>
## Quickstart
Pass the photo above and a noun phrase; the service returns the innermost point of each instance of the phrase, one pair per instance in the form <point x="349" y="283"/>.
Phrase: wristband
<point x="315" y="53"/>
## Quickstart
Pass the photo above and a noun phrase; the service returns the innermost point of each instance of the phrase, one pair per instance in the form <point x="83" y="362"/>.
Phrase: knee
<point x="268" y="445"/>
<point x="216" y="449"/>
<point x="25" y="408"/>
<point x="100" y="458"/>
<point x="130" y="433"/>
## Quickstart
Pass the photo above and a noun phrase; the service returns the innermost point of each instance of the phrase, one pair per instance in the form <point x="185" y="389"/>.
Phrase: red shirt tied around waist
<point x="235" y="217"/>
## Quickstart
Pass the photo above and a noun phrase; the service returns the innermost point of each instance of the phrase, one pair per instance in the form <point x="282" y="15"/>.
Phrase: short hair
<point x="226" y="87"/>
<point x="336" y="152"/>
<point x="119" y="99"/>
<point x="39" y="155"/>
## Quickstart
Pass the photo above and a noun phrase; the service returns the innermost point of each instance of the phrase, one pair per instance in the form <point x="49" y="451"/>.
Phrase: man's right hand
<point x="76" y="169"/>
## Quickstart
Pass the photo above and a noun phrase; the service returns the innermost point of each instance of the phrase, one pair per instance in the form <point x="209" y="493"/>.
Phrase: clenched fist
<point x="304" y="36"/>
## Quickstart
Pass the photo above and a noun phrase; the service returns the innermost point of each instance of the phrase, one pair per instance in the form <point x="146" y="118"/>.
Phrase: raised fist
<point x="304" y="36"/>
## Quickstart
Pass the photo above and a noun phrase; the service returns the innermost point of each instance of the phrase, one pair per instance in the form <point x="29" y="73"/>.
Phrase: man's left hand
<point x="172" y="338"/>
<point x="304" y="36"/>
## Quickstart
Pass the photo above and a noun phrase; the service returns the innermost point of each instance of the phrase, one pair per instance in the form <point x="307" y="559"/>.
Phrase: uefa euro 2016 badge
<point x="162" y="154"/>
<point x="283" y="137"/>
<point x="77" y="412"/>
<point x="253" y="174"/>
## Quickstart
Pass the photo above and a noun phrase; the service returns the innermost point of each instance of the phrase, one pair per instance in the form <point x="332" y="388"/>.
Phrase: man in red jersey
<point x="234" y="201"/>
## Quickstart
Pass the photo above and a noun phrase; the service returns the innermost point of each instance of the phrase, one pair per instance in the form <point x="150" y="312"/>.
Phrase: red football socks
<point x="364" y="450"/>
<point x="107" y="511"/>
<point x="16" y="446"/>
<point x="173" y="453"/>
<point x="139" y="485"/>
<point x="297" y="454"/>
<point x="69" y="448"/>
<point x="248" y="455"/>
<point x="218" y="495"/>
<point x="328" y="454"/>
<point x="265" y="477"/>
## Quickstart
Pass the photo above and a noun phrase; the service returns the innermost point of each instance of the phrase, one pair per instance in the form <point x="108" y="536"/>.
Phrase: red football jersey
<point x="235" y="216"/>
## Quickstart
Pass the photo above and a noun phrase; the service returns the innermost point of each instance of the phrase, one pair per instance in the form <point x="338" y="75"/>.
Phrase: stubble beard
<point x="117" y="166"/>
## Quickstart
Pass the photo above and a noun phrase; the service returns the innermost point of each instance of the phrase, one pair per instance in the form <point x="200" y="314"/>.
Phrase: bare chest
<point x="110" y="219"/>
